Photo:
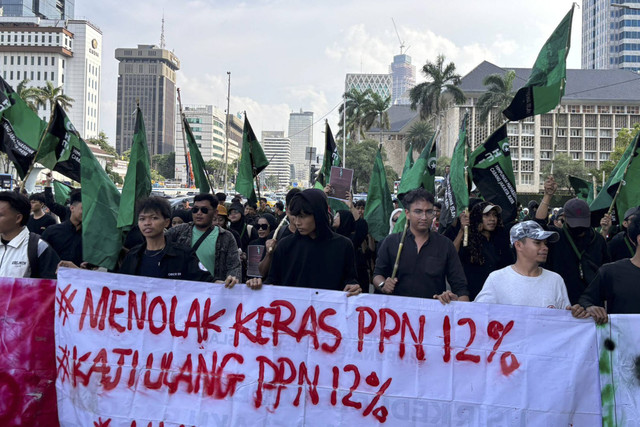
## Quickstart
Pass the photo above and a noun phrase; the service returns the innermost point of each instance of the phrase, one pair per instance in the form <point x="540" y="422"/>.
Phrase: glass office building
<point x="46" y="9"/>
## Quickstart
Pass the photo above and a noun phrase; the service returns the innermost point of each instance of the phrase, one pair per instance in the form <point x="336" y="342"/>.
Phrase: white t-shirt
<point x="505" y="286"/>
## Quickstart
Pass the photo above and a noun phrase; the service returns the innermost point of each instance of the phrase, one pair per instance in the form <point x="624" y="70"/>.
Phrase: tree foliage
<point x="499" y="94"/>
<point x="418" y="136"/>
<point x="441" y="163"/>
<point x="441" y="87"/>
<point x="164" y="165"/>
<point x="360" y="158"/>
<point x="563" y="166"/>
<point x="364" y="109"/>
<point x="102" y="141"/>
<point x="49" y="94"/>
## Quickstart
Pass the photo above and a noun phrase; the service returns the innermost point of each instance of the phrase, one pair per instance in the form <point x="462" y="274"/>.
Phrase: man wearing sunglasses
<point x="215" y="247"/>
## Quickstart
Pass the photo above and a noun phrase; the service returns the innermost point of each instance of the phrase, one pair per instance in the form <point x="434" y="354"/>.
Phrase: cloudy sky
<point x="285" y="55"/>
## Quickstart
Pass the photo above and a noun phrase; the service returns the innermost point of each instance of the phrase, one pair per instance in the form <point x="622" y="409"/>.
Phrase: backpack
<point x="32" y="254"/>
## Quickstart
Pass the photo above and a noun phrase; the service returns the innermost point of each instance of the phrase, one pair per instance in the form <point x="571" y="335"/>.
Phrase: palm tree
<point x="499" y="93"/>
<point x="440" y="88"/>
<point x="418" y="136"/>
<point x="52" y="95"/>
<point x="29" y="94"/>
<point x="376" y="110"/>
<point x="356" y="108"/>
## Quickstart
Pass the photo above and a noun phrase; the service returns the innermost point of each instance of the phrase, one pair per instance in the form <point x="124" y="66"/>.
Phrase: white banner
<point x="619" y="350"/>
<point x="135" y="351"/>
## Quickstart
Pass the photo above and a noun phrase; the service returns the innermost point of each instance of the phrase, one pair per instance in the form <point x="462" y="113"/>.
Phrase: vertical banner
<point x="27" y="364"/>
<point x="619" y="350"/>
<point x="133" y="351"/>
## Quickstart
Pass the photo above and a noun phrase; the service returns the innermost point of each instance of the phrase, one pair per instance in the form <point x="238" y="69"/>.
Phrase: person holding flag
<point x="621" y="246"/>
<point x="427" y="263"/>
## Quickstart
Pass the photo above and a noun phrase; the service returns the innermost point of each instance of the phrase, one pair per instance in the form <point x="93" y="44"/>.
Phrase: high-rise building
<point x="610" y="35"/>
<point x="45" y="9"/>
<point x="403" y="76"/>
<point x="147" y="74"/>
<point x="301" y="136"/>
<point x="378" y="83"/>
<point x="66" y="53"/>
<point x="236" y="124"/>
<point x="208" y="126"/>
<point x="277" y="149"/>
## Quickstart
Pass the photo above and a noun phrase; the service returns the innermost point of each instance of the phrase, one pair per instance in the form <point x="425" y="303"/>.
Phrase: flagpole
<point x="400" y="246"/>
<point x="226" y="128"/>
<point x="184" y="141"/>
<point x="465" y="236"/>
<point x="344" y="131"/>
<point x="33" y="163"/>
<point x="622" y="182"/>
<point x="255" y="175"/>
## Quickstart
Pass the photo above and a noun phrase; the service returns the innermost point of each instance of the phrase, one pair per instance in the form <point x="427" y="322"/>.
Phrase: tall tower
<point x="610" y="35"/>
<point x="148" y="74"/>
<point x="403" y="76"/>
<point x="45" y="9"/>
<point x="301" y="137"/>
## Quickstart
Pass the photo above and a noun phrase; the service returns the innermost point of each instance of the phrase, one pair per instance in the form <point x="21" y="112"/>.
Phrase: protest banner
<point x="619" y="350"/>
<point x="141" y="351"/>
<point x="27" y="364"/>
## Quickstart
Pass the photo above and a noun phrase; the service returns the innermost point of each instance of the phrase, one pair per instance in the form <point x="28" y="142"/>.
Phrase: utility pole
<point x="226" y="129"/>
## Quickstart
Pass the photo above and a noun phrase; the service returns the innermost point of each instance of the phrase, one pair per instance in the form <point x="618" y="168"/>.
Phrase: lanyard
<point x="626" y="240"/>
<point x="244" y="227"/>
<point x="575" y="249"/>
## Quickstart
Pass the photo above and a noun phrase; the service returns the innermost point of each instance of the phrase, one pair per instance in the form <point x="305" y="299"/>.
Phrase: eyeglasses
<point x="196" y="209"/>
<point x="262" y="226"/>
<point x="420" y="212"/>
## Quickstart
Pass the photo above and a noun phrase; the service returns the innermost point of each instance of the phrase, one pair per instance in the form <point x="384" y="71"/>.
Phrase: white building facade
<point x="65" y="53"/>
<point x="301" y="137"/>
<point x="277" y="149"/>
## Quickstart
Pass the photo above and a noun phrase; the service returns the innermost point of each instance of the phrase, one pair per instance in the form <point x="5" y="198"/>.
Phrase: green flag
<point x="423" y="172"/>
<point x="492" y="172"/>
<point x="101" y="238"/>
<point x="456" y="196"/>
<point x="605" y="197"/>
<point x="197" y="163"/>
<point x="137" y="182"/>
<point x="408" y="163"/>
<point x="629" y="195"/>
<point x="583" y="189"/>
<point x="379" y="206"/>
<point x="20" y="129"/>
<point x="61" y="192"/>
<point x="60" y="149"/>
<point x="252" y="162"/>
<point x="545" y="87"/>
<point x="331" y="157"/>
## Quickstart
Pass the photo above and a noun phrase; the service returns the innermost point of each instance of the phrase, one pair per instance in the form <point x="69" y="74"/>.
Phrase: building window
<point x="604" y="109"/>
<point x="618" y="109"/>
<point x="45" y="76"/>
<point x="32" y="75"/>
<point x="576" y="132"/>
<point x="588" y="109"/>
<point x="38" y="75"/>
<point x="11" y="75"/>
<point x="633" y="109"/>
<point x="589" y="156"/>
<point x="39" y="60"/>
<point x="575" y="155"/>
<point x="18" y="75"/>
<point x="19" y="60"/>
<point x="53" y="60"/>
<point x="46" y="61"/>
<point x="574" y="108"/>
<point x="605" y="133"/>
<point x="11" y="59"/>
<point x="604" y="157"/>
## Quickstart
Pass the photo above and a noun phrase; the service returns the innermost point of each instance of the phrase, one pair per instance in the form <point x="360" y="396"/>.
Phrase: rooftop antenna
<point x="162" y="43"/>
<point x="399" y="39"/>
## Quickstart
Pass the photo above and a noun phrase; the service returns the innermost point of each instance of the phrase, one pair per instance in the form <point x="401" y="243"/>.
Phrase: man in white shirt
<point x="525" y="282"/>
<point x="22" y="254"/>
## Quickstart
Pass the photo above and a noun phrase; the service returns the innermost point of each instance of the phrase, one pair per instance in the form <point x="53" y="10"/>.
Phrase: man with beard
<point x="313" y="257"/>
<point x="621" y="246"/>
<point x="580" y="251"/>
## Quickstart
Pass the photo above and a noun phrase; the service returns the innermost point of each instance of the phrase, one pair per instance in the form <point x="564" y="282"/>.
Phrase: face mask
<point x="577" y="231"/>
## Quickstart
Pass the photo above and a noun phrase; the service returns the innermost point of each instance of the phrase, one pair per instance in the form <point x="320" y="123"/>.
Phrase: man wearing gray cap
<point x="525" y="282"/>
<point x="579" y="251"/>
<point x="621" y="246"/>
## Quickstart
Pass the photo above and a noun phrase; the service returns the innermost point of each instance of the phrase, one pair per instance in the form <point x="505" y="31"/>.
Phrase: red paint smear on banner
<point x="27" y="353"/>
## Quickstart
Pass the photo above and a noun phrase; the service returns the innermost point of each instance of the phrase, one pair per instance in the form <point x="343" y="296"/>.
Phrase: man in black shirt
<point x="617" y="283"/>
<point x="580" y="251"/>
<point x="620" y="246"/>
<point x="39" y="220"/>
<point x="427" y="258"/>
<point x="66" y="238"/>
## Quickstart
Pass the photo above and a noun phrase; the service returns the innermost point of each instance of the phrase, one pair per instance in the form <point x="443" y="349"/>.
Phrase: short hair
<point x="416" y="195"/>
<point x="263" y="199"/>
<point x="75" y="196"/>
<point x="221" y="197"/>
<point x="206" y="197"/>
<point x="437" y="205"/>
<point x="634" y="228"/>
<point x="37" y="197"/>
<point x="360" y="203"/>
<point x="19" y="203"/>
<point x="251" y="204"/>
<point x="280" y="205"/>
<point x="290" y="194"/>
<point x="300" y="204"/>
<point x="155" y="204"/>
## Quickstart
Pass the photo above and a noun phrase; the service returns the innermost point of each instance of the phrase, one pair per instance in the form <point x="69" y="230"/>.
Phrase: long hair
<point x="475" y="236"/>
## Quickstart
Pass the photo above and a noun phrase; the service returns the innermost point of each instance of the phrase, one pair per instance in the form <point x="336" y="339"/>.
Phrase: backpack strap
<point x="32" y="254"/>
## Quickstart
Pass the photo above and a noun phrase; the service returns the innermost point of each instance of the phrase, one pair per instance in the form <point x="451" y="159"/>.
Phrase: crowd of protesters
<point x="551" y="258"/>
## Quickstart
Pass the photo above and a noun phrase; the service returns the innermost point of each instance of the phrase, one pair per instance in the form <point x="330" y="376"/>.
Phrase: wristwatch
<point x="380" y="285"/>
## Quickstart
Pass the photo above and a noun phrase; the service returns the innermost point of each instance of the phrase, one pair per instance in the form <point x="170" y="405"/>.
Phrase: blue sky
<point x="287" y="54"/>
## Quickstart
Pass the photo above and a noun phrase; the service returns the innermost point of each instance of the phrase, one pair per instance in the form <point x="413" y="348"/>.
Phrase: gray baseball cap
<point x="577" y="213"/>
<point x="631" y="212"/>
<point x="532" y="230"/>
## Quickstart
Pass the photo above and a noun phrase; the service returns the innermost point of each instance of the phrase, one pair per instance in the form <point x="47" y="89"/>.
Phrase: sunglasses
<point x="196" y="209"/>
<point x="262" y="226"/>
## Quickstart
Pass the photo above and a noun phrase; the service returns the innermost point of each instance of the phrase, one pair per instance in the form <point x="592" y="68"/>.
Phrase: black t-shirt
<point x="617" y="283"/>
<point x="150" y="263"/>
<point x="620" y="247"/>
<point x="39" y="225"/>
